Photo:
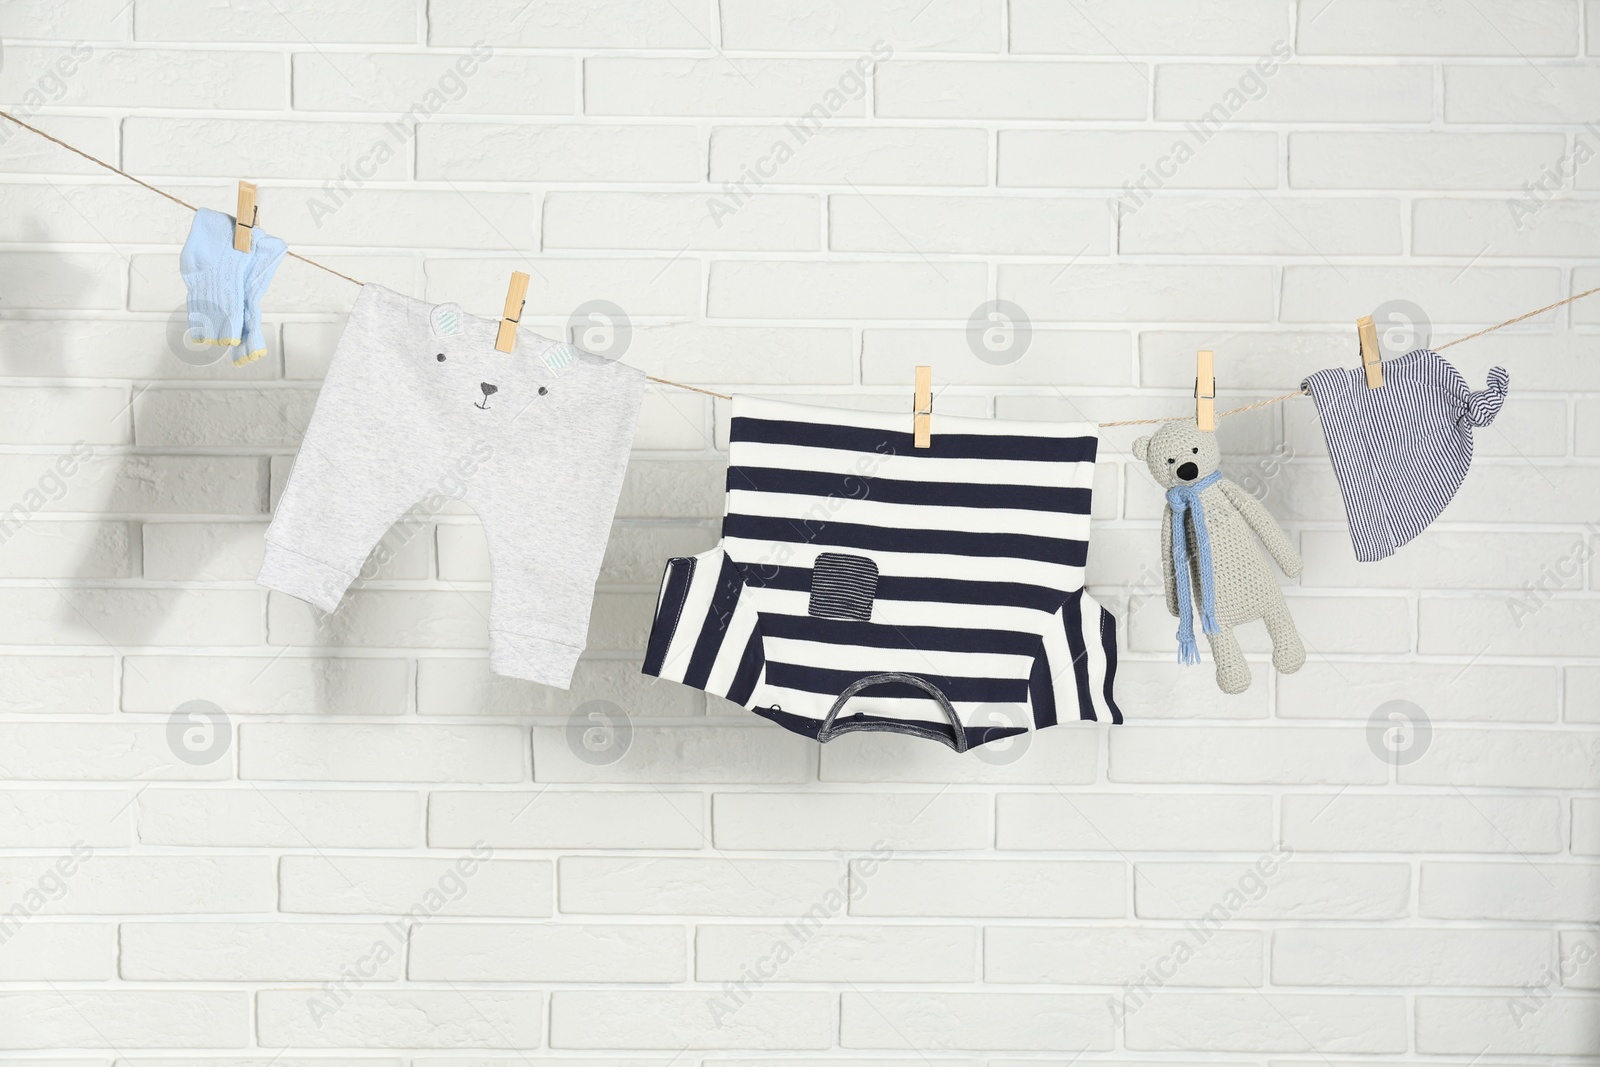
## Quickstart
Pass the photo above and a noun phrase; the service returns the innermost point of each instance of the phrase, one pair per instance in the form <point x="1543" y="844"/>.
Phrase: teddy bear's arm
<point x="1266" y="528"/>
<point x="1169" y="576"/>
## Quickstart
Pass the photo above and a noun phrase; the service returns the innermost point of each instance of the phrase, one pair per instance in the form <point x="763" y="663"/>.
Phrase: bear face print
<point x="486" y="389"/>
<point x="466" y="376"/>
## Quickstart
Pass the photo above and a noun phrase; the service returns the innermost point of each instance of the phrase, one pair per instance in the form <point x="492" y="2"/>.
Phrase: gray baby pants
<point x="418" y="404"/>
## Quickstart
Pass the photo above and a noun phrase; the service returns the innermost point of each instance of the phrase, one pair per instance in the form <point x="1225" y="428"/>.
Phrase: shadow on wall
<point x="55" y="498"/>
<point x="111" y="499"/>
<point x="142" y="524"/>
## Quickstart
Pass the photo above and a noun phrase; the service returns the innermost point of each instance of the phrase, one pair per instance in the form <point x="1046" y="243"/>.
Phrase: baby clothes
<point x="1402" y="450"/>
<point x="418" y="403"/>
<point x="863" y="584"/>
<point x="226" y="285"/>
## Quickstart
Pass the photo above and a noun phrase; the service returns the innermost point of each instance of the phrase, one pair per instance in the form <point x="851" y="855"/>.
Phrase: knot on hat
<point x="1485" y="404"/>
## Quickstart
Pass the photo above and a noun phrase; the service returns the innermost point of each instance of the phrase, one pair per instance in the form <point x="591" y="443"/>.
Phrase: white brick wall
<point x="384" y="856"/>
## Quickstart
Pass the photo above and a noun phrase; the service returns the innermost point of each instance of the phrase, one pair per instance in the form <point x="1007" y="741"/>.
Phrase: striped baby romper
<point x="863" y="584"/>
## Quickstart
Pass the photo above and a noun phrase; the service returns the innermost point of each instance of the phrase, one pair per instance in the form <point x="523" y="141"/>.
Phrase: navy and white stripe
<point x="1402" y="450"/>
<point x="847" y="554"/>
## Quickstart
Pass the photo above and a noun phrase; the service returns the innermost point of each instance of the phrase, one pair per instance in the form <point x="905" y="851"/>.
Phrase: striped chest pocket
<point x="843" y="587"/>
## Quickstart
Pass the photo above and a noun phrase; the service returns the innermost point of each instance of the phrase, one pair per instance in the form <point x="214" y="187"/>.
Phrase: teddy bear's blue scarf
<point x="1183" y="498"/>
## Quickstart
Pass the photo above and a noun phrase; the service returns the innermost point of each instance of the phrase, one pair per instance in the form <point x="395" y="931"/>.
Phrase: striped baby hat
<point x="1400" y="451"/>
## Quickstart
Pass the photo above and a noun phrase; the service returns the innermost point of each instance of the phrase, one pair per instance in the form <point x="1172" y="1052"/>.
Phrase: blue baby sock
<point x="266" y="252"/>
<point x="215" y="276"/>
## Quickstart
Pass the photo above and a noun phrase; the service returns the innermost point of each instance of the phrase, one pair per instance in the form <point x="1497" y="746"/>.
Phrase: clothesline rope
<point x="1440" y="348"/>
<point x="1220" y="414"/>
<point x="304" y="259"/>
<point x="724" y="396"/>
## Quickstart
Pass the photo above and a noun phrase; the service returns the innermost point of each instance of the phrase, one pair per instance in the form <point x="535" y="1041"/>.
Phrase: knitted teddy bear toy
<point x="1208" y="523"/>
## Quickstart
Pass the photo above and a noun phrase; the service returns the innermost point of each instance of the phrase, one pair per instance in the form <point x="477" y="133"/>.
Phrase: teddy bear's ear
<point x="1141" y="447"/>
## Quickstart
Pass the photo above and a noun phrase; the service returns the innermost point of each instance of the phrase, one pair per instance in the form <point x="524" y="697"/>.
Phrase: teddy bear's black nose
<point x="1188" y="471"/>
<point x="490" y="390"/>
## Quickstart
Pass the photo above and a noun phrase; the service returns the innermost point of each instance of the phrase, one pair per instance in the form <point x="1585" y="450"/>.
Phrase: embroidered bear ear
<point x="559" y="356"/>
<point x="446" y="319"/>
<point x="1141" y="448"/>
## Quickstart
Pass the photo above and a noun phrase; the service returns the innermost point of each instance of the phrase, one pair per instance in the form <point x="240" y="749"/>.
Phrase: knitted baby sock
<point x="215" y="276"/>
<point x="266" y="252"/>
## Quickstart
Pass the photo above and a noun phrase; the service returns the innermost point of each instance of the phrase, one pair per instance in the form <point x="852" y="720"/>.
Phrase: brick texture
<point x="361" y="849"/>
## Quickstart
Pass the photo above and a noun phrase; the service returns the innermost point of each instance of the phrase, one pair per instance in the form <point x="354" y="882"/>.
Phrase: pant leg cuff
<point x="532" y="658"/>
<point x="303" y="577"/>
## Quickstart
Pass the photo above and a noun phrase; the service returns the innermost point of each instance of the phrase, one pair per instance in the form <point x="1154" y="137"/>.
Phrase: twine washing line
<point x="1440" y="348"/>
<point x="304" y="259"/>
<point x="724" y="396"/>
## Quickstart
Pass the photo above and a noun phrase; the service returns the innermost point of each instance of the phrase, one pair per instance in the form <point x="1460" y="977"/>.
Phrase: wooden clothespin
<point x="922" y="409"/>
<point x="245" y="217"/>
<point x="1371" y="354"/>
<point x="516" y="297"/>
<point x="1205" y="392"/>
